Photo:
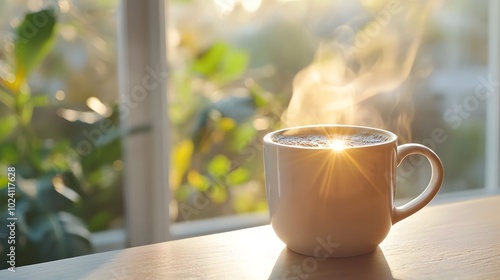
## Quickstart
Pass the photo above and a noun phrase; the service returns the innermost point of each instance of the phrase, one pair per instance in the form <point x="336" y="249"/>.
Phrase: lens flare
<point x="337" y="145"/>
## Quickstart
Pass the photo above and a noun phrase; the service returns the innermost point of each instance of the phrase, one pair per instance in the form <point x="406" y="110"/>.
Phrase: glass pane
<point x="59" y="125"/>
<point x="242" y="68"/>
<point x="450" y="100"/>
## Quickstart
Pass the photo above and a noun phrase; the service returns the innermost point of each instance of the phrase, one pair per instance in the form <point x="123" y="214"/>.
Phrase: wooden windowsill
<point x="451" y="241"/>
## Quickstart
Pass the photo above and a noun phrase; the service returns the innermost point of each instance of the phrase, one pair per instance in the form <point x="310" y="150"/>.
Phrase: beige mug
<point x="338" y="201"/>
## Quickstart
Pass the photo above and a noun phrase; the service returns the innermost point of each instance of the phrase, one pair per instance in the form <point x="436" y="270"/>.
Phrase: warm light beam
<point x="337" y="145"/>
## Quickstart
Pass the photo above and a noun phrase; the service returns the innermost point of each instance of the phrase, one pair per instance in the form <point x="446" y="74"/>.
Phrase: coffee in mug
<point x="332" y="140"/>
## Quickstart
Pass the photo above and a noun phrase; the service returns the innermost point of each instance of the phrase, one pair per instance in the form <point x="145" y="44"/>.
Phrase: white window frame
<point x="142" y="43"/>
<point x="492" y="177"/>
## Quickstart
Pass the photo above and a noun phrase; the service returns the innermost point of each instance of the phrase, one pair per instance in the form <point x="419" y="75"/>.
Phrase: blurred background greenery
<point x="58" y="68"/>
<point x="231" y="73"/>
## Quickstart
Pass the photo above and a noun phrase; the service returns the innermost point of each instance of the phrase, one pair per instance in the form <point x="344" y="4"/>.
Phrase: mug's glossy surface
<point x="327" y="202"/>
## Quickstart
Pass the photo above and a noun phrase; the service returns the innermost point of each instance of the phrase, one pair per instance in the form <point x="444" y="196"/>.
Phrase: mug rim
<point x="392" y="137"/>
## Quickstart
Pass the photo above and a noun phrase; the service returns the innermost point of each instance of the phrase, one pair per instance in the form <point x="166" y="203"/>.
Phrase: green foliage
<point x="50" y="174"/>
<point x="214" y="142"/>
<point x="242" y="136"/>
<point x="49" y="232"/>
<point x="7" y="125"/>
<point x="219" y="166"/>
<point x="221" y="63"/>
<point x="34" y="39"/>
<point x="238" y="176"/>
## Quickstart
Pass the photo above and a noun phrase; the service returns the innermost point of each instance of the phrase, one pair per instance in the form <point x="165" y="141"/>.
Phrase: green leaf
<point x="22" y="97"/>
<point x="34" y="39"/>
<point x="219" y="166"/>
<point x="242" y="136"/>
<point x="222" y="63"/>
<point x="238" y="176"/>
<point x="232" y="66"/>
<point x="5" y="97"/>
<point x="101" y="157"/>
<point x="7" y="125"/>
<point x="100" y="220"/>
<point x="207" y="64"/>
<point x="4" y="181"/>
<point x="27" y="113"/>
<point x="9" y="153"/>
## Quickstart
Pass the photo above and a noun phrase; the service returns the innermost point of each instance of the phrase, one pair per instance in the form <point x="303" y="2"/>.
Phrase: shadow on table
<point x="291" y="265"/>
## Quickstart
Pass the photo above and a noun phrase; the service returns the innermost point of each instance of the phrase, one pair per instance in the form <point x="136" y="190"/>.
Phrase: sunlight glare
<point x="251" y="5"/>
<point x="337" y="145"/>
<point x="60" y="95"/>
<point x="225" y="7"/>
<point x="95" y="104"/>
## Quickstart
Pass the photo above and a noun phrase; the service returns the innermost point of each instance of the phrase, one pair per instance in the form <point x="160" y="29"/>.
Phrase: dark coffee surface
<point x="336" y="140"/>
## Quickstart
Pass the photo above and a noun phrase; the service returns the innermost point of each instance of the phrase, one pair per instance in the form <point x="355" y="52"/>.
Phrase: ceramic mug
<point x="339" y="202"/>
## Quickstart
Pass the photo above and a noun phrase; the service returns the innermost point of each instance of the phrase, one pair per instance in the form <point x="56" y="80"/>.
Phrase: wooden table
<point x="451" y="241"/>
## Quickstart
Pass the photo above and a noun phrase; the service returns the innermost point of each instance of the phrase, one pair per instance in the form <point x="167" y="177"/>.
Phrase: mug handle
<point x="401" y="212"/>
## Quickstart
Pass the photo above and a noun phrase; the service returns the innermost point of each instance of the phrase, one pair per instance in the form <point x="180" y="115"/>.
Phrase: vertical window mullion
<point x="493" y="107"/>
<point x="142" y="82"/>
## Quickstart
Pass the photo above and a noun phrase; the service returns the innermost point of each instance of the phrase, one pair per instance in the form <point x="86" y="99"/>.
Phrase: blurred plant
<point x="217" y="135"/>
<point x="48" y="175"/>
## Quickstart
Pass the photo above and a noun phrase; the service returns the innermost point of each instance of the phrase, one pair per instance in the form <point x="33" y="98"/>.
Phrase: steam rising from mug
<point x="362" y="76"/>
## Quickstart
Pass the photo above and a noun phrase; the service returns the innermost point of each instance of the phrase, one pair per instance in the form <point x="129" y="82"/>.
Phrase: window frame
<point x="141" y="50"/>
<point x="492" y="157"/>
<point x="142" y="43"/>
